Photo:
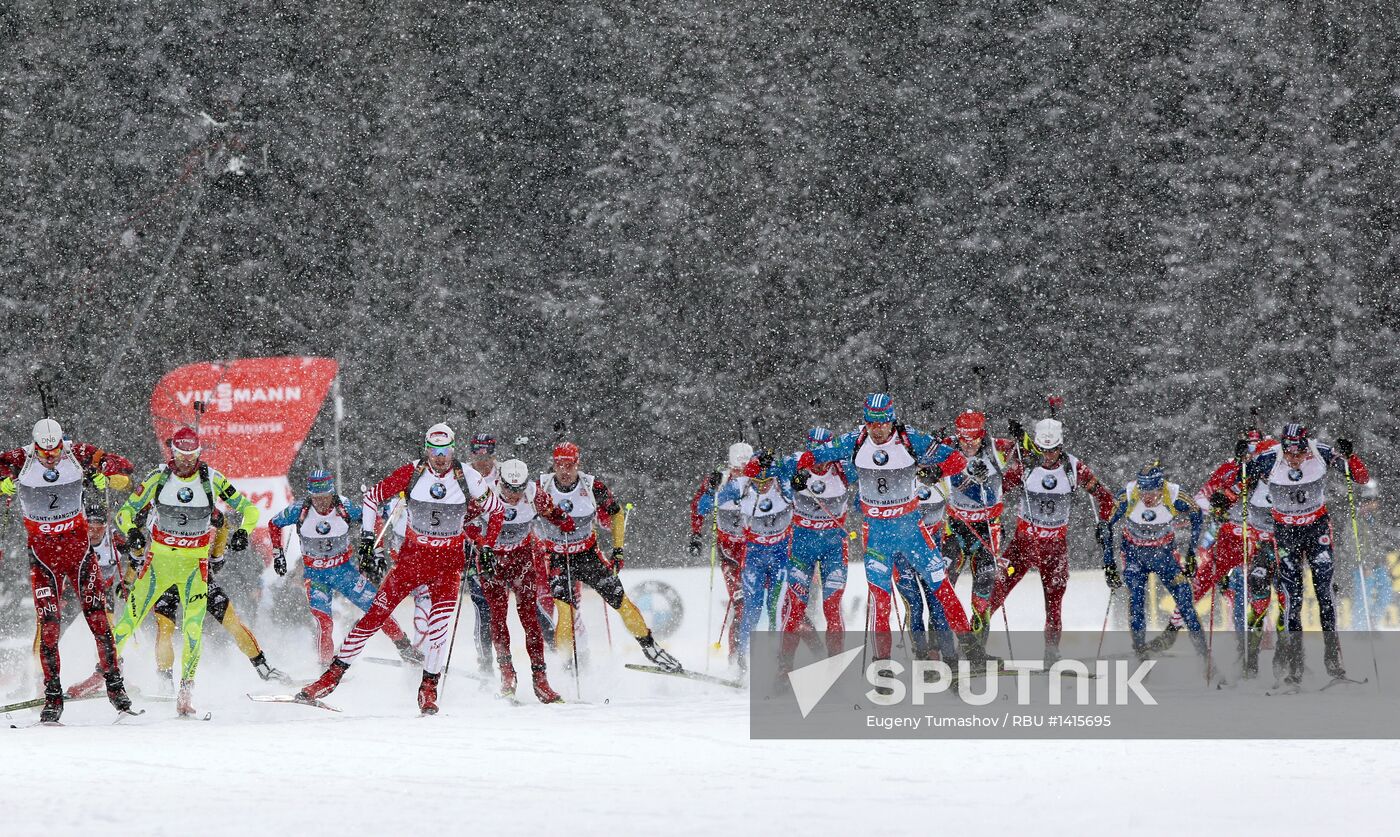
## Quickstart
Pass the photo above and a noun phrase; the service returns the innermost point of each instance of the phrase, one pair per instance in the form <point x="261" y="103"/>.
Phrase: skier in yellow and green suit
<point x="182" y="494"/>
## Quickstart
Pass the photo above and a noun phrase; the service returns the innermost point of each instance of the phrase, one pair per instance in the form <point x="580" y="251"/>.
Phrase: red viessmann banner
<point x="257" y="414"/>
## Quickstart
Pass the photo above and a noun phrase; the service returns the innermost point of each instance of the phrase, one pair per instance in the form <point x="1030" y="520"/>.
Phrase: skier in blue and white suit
<point x="1149" y="508"/>
<point x="887" y="456"/>
<point x="766" y="503"/>
<point x="819" y="542"/>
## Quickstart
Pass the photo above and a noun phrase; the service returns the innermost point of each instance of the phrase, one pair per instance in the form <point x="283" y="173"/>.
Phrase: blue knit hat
<point x="320" y="482"/>
<point x="879" y="407"/>
<point x="1151" y="477"/>
<point x="818" y="437"/>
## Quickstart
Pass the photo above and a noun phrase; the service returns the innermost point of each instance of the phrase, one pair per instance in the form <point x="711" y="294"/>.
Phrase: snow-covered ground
<point x="644" y="754"/>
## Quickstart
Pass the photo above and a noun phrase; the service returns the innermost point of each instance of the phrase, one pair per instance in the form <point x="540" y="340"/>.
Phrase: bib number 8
<point x="882" y="485"/>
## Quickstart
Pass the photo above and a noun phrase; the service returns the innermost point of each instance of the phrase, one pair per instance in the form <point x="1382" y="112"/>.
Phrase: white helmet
<point x="739" y="454"/>
<point x="439" y="436"/>
<point x="48" y="435"/>
<point x="1049" y="434"/>
<point x="514" y="474"/>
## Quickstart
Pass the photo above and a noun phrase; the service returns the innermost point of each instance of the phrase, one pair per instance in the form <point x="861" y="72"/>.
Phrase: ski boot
<point x="325" y="684"/>
<point x="116" y="691"/>
<point x="183" y="706"/>
<point x="507" y="679"/>
<point x="266" y="671"/>
<point x="407" y="652"/>
<point x="1332" y="655"/>
<point x="658" y="655"/>
<point x="427" y="694"/>
<point x="86" y="687"/>
<point x="167" y="682"/>
<point x="1166" y="639"/>
<point x="542" y="690"/>
<point x="53" y="702"/>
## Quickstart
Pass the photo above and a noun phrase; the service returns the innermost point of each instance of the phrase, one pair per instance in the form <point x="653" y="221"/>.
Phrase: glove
<point x="753" y="468"/>
<point x="136" y="541"/>
<point x="486" y="562"/>
<point x="1345" y="447"/>
<point x="99" y="481"/>
<point x="1110" y="574"/>
<point x="617" y="559"/>
<point x="1190" y="563"/>
<point x="1241" y="448"/>
<point x="1018" y="433"/>
<point x="765" y="458"/>
<point x="806" y="460"/>
<point x="1102" y="533"/>
<point x="799" y="481"/>
<point x="693" y="548"/>
<point x="567" y="525"/>
<point x="215" y="565"/>
<point x="279" y="562"/>
<point x="977" y="469"/>
<point x="7" y="487"/>
<point x="238" y="541"/>
<point x="716" y="479"/>
<point x="1220" y="502"/>
<point x="372" y="563"/>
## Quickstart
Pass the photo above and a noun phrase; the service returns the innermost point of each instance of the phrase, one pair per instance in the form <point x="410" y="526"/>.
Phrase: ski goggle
<point x="484" y="448"/>
<point x="438" y="450"/>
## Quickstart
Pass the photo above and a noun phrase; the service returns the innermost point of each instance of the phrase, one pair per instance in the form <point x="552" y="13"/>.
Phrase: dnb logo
<point x="661" y="605"/>
<point x="50" y="475"/>
<point x="1048" y="482"/>
<point x="323" y="528"/>
<point x="437" y="491"/>
<point x="185" y="494"/>
<point x="880" y="457"/>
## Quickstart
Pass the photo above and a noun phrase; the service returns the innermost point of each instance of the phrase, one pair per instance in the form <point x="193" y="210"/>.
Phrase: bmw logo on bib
<point x="1295" y="474"/>
<point x="1149" y="515"/>
<point x="567" y="505"/>
<point x="50" y="475"/>
<point x="924" y="492"/>
<point x="185" y="494"/>
<point x="1048" y="482"/>
<point x="817" y="487"/>
<point x="880" y="457"/>
<point x="510" y="513"/>
<point x="323" y="528"/>
<point x="765" y="505"/>
<point x="661" y="605"/>
<point x="437" y="491"/>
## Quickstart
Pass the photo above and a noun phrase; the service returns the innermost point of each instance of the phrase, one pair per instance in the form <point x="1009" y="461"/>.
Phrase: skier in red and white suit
<point x="730" y="540"/>
<point x="441" y="497"/>
<point x="49" y="476"/>
<point x="515" y="563"/>
<point x="1220" y="496"/>
<point x="1042" y="524"/>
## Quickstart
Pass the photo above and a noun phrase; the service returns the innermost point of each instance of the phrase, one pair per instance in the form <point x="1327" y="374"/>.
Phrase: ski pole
<point x="1210" y="640"/>
<point x="1360" y="567"/>
<point x="573" y="621"/>
<point x="451" y="642"/>
<point x="714" y="560"/>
